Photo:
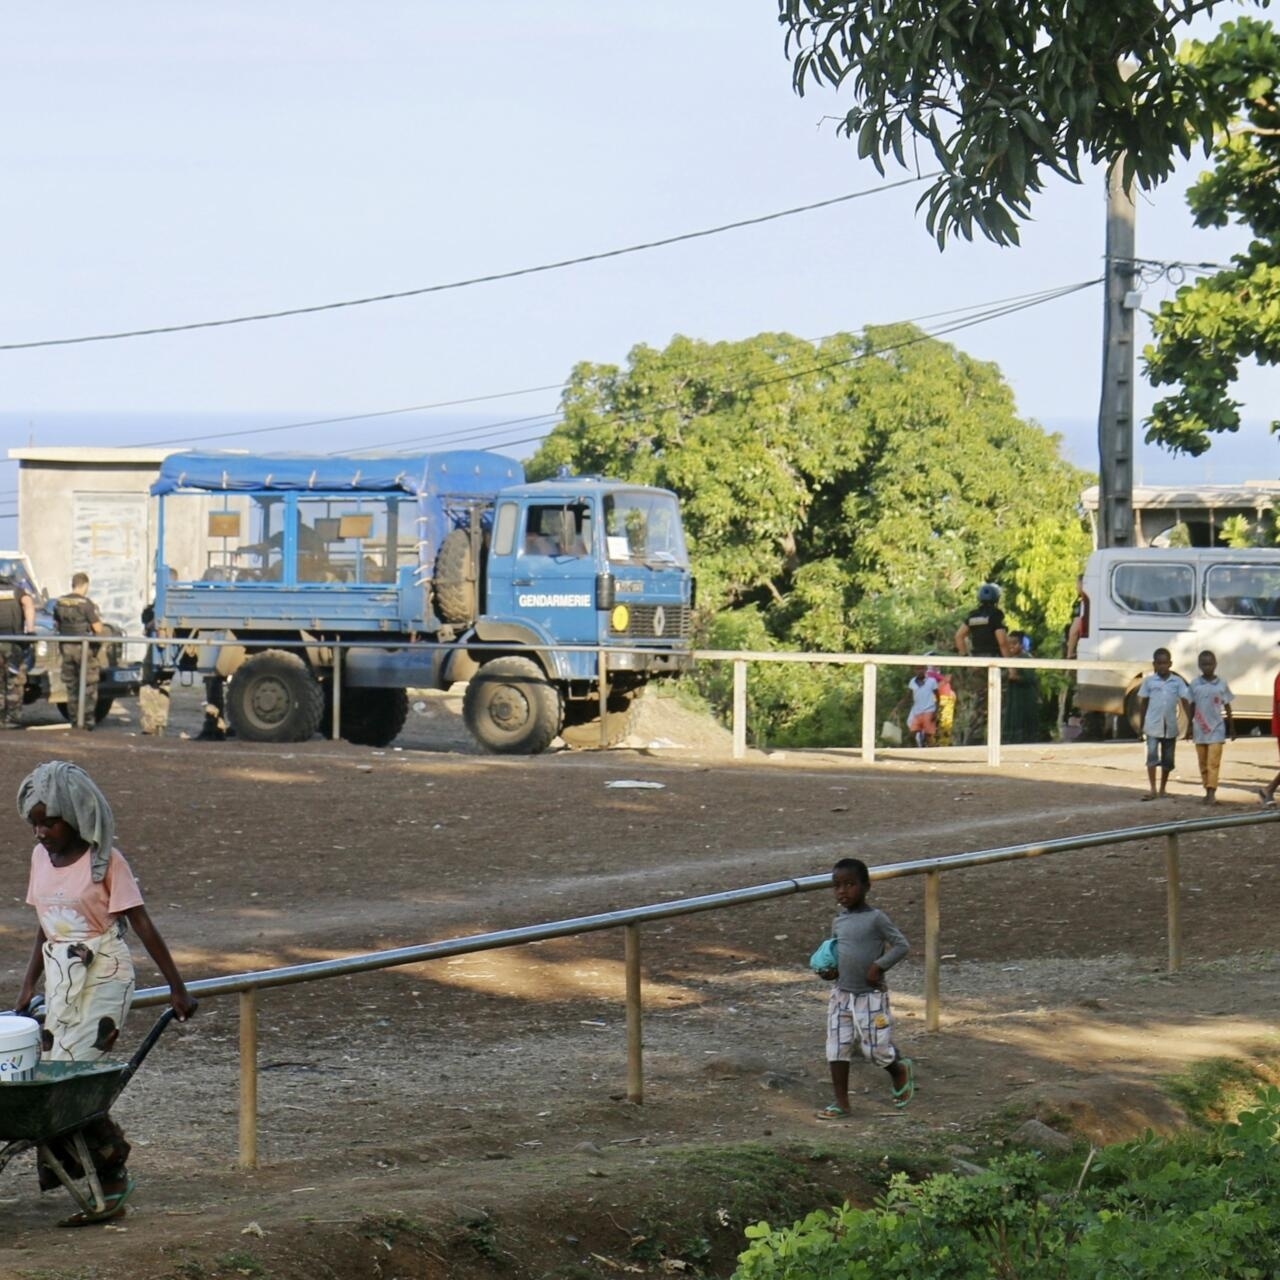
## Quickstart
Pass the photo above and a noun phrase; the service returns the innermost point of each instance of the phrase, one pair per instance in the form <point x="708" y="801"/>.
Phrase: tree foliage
<point x="844" y="496"/>
<point x="1003" y="93"/>
<point x="1202" y="334"/>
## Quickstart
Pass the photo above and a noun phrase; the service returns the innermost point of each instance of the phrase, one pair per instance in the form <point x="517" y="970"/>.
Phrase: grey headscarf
<point x="67" y="792"/>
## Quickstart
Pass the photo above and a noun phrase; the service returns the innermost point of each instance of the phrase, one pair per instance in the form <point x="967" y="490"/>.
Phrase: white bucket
<point x="19" y="1048"/>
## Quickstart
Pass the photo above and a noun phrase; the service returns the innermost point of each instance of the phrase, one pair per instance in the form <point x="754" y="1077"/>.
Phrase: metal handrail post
<point x="337" y="692"/>
<point x="635" y="1030"/>
<point x="869" y="713"/>
<point x="602" y="679"/>
<point x="932" y="956"/>
<point x="81" y="710"/>
<point x="739" y="708"/>
<point x="248" y="1079"/>
<point x="1173" y="886"/>
<point x="994" y="715"/>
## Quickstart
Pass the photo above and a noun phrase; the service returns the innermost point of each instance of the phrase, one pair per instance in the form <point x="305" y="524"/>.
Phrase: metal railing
<point x="739" y="659"/>
<point x="247" y="985"/>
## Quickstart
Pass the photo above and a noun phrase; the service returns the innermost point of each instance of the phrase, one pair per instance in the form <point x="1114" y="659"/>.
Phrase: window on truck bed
<point x="1153" y="588"/>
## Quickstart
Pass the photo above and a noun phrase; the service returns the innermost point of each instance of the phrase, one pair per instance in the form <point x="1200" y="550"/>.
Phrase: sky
<point x="169" y="163"/>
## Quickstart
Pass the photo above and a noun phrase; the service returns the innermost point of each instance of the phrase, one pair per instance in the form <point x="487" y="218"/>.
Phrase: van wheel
<point x="511" y="708"/>
<point x="275" y="698"/>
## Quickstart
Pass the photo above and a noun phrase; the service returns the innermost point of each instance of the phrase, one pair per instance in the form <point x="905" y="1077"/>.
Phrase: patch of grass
<point x="479" y="1234"/>
<point x="1218" y="1089"/>
<point x="244" y="1264"/>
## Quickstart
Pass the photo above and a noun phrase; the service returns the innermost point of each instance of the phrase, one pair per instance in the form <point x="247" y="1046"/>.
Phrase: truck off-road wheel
<point x="101" y="709"/>
<point x="510" y="707"/>
<point x="371" y="717"/>
<point x="581" y="729"/>
<point x="275" y="698"/>
<point x="455" y="578"/>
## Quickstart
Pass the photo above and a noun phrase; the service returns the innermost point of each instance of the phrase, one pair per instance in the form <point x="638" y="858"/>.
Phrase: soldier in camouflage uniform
<point x="17" y="617"/>
<point x="76" y="615"/>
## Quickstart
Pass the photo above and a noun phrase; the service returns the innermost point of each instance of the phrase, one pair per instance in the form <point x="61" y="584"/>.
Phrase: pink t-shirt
<point x="69" y="905"/>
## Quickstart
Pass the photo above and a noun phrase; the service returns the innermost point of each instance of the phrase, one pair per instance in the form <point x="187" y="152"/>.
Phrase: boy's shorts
<point x="863" y="1021"/>
<point x="1160" y="753"/>
<point x="923" y="722"/>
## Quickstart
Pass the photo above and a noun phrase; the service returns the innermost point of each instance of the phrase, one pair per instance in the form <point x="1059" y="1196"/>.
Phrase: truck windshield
<point x="644" y="526"/>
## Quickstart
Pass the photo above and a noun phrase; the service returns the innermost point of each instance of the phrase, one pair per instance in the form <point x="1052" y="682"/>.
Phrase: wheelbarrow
<point x="58" y="1103"/>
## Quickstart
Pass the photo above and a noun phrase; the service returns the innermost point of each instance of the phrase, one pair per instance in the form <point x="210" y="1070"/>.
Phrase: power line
<point x="489" y="278"/>
<point x="978" y="307"/>
<point x="353" y="417"/>
<point x="993" y="311"/>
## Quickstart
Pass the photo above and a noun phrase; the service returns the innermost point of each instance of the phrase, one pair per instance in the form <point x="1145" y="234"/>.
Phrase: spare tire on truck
<point x="510" y="707"/>
<point x="273" y="697"/>
<point x="457" y="597"/>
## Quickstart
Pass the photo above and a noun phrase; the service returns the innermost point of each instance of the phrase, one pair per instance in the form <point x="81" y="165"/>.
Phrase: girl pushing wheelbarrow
<point x="85" y="895"/>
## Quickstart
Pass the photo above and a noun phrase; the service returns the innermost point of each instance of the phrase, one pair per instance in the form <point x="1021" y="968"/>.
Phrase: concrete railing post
<point x="739" y="709"/>
<point x="869" y="713"/>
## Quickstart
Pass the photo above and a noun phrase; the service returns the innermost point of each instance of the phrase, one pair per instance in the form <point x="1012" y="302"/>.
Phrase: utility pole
<point x="1115" y="412"/>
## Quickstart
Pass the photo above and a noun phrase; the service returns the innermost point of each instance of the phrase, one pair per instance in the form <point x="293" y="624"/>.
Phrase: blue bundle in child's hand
<point x="825" y="958"/>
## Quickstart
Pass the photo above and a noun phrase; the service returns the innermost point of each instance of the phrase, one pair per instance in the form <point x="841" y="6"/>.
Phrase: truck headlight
<point x="619" y="618"/>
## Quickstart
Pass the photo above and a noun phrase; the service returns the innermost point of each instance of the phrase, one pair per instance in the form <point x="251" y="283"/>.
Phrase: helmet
<point x="988" y="593"/>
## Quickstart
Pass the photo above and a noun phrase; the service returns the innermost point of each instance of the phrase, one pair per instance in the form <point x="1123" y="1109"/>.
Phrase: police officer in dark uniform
<point x="982" y="635"/>
<point x="76" y="615"/>
<point x="17" y="617"/>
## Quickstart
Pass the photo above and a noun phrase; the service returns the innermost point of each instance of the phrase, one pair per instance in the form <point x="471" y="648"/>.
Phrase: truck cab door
<point x="543" y="568"/>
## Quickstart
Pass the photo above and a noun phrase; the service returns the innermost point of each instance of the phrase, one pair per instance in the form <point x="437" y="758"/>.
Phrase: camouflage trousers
<point x="13" y="681"/>
<point x="71" y="682"/>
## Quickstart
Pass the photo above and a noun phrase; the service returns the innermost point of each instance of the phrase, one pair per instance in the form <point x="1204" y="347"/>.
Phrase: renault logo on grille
<point x="659" y="620"/>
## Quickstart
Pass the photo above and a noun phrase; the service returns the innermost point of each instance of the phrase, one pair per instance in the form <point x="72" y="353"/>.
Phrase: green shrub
<point x="1206" y="1204"/>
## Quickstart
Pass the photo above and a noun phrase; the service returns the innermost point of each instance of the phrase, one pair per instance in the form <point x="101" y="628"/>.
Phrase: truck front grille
<point x="658" y="622"/>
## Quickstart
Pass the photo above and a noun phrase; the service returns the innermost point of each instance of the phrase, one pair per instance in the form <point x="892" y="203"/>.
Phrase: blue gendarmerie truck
<point x="451" y="562"/>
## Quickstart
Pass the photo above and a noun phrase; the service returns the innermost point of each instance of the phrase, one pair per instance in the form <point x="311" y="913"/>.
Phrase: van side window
<point x="1243" y="591"/>
<point x="1154" y="588"/>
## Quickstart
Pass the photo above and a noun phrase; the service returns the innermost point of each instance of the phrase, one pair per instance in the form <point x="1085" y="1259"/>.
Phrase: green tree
<point x="1004" y="93"/>
<point x="1202" y="334"/>
<point x="843" y="496"/>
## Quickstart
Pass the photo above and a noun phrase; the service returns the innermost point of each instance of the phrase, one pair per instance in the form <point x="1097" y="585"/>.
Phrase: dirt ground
<point x="469" y="1116"/>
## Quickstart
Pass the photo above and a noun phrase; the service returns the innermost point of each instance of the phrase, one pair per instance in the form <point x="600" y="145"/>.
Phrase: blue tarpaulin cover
<point x="459" y="471"/>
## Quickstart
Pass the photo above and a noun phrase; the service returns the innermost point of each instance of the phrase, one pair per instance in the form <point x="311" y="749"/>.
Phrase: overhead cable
<point x="489" y="278"/>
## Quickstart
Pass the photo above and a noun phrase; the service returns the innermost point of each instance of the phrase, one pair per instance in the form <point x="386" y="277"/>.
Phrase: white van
<point x="1139" y="599"/>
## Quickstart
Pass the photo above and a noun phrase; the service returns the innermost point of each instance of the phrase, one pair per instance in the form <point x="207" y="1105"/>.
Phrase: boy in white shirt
<point x="1211" y="721"/>
<point x="1159" y="697"/>
<point x="922" y="689"/>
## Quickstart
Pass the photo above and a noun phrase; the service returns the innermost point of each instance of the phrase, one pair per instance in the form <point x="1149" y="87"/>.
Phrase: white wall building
<point x="89" y="510"/>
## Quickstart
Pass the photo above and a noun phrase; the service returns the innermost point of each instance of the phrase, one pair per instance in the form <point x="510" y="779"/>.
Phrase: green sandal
<point x="113" y="1207"/>
<point x="904" y="1095"/>
<point x="833" y="1112"/>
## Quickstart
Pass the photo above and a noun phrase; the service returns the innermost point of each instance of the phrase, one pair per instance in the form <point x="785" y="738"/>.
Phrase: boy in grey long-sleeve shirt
<point x="868" y="944"/>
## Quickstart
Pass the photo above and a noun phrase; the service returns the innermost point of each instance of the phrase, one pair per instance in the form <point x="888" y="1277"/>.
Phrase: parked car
<point x="43" y="661"/>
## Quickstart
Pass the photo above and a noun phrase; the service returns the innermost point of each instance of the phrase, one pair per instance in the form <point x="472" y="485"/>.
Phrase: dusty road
<point x="441" y="1090"/>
